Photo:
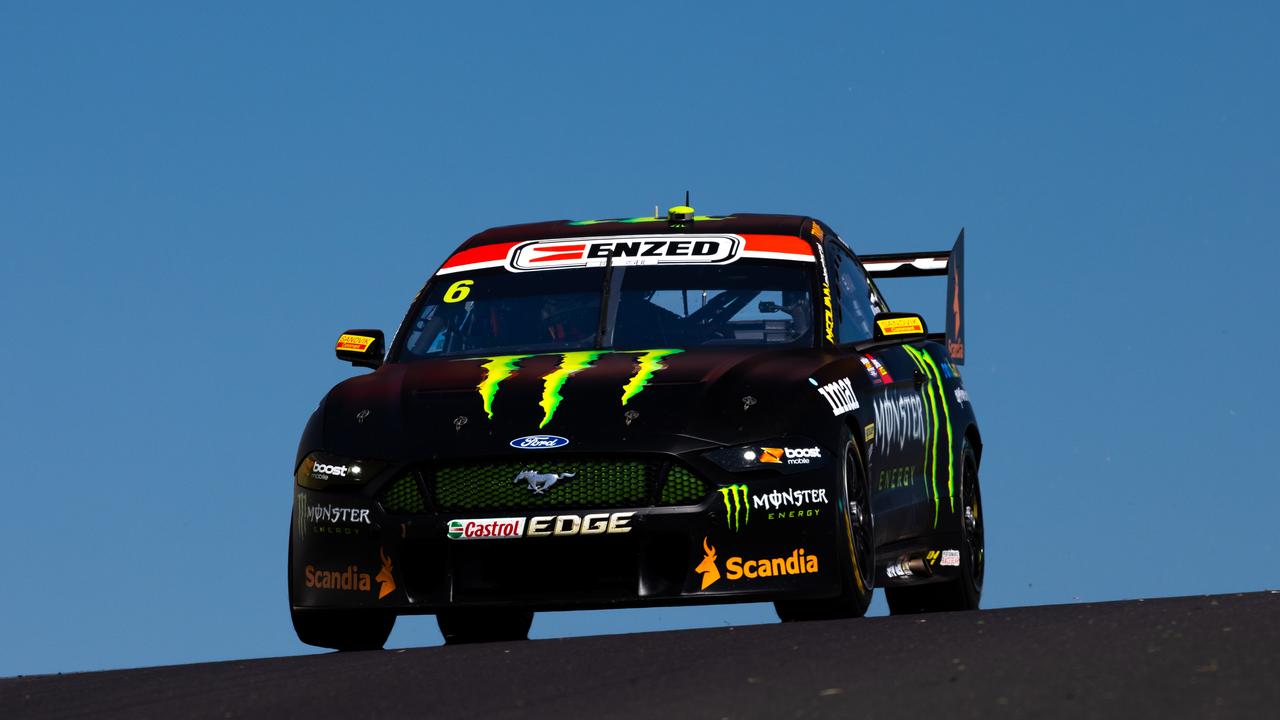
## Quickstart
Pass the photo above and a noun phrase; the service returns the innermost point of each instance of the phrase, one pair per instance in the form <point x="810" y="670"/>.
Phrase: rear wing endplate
<point x="930" y="264"/>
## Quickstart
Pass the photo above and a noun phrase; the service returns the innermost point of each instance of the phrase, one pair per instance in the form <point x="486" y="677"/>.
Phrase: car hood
<point x="598" y="400"/>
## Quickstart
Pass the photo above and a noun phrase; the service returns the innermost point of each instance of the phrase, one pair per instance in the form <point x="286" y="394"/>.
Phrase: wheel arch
<point x="975" y="441"/>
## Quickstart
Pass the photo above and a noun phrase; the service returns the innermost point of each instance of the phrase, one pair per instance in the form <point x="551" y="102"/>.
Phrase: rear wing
<point x="928" y="264"/>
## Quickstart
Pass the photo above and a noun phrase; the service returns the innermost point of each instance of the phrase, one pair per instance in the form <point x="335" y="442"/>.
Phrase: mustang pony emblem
<point x="539" y="483"/>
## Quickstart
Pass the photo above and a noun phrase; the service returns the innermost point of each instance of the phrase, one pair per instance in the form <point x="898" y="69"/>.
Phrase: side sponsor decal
<point x="737" y="508"/>
<point x="486" y="529"/>
<point x="514" y="528"/>
<point x="790" y="456"/>
<point x="776" y="504"/>
<point x="498" y="368"/>
<point x="828" y="313"/>
<point x="707" y="568"/>
<point x="935" y="398"/>
<point x="951" y="558"/>
<point x="618" y="523"/>
<point x="358" y="343"/>
<point x="895" y="478"/>
<point x="839" y="396"/>
<point x="962" y="395"/>
<point x="799" y="562"/>
<point x="899" y="419"/>
<point x="628" y="250"/>
<point x="871" y="369"/>
<point x="881" y="370"/>
<point x="625" y="250"/>
<point x="351" y="579"/>
<point x="900" y="326"/>
<point x="328" y="519"/>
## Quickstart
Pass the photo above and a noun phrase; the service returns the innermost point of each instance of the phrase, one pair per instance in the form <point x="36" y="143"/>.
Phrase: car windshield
<point x="495" y="311"/>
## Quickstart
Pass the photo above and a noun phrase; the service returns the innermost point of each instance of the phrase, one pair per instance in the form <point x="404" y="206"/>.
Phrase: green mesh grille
<point x="404" y="496"/>
<point x="490" y="486"/>
<point x="682" y="487"/>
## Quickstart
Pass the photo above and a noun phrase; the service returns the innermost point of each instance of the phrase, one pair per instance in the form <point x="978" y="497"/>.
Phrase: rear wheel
<point x="477" y="625"/>
<point x="343" y="629"/>
<point x="857" y="532"/>
<point x="964" y="592"/>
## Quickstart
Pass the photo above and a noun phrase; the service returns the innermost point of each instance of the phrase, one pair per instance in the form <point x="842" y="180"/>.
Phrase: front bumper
<point x="755" y="536"/>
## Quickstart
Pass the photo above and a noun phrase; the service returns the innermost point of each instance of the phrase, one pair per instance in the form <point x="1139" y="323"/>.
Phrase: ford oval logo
<point x="539" y="442"/>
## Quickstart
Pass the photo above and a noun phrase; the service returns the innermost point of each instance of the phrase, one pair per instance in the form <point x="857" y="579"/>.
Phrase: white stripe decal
<point x="763" y="255"/>
<point x="924" y="263"/>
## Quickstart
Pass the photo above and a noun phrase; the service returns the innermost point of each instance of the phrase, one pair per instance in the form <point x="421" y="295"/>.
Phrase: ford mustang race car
<point x="639" y="412"/>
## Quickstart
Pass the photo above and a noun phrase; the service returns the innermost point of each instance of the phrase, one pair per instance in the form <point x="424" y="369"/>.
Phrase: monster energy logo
<point x="736" y="507"/>
<point x="501" y="367"/>
<point x="300" y="514"/>
<point x="933" y="399"/>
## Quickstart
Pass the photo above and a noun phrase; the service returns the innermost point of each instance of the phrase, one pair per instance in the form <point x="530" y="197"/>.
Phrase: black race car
<point x="636" y="412"/>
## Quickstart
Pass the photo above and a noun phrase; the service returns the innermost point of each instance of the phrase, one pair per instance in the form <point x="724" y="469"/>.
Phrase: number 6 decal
<point x="458" y="291"/>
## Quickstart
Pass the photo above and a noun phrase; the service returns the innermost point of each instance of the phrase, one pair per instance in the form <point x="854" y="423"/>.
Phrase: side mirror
<point x="890" y="324"/>
<point x="362" y="348"/>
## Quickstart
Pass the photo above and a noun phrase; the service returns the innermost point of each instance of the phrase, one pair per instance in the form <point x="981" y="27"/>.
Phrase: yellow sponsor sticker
<point x="901" y="326"/>
<point x="816" y="230"/>
<point x="357" y="343"/>
<point x="869" y="432"/>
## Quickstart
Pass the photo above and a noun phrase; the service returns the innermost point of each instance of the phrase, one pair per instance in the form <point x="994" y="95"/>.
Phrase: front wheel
<point x="857" y="571"/>
<point x="477" y="625"/>
<point x="964" y="592"/>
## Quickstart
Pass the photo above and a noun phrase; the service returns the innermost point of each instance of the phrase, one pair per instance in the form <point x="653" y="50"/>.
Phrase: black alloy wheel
<point x="858" y="567"/>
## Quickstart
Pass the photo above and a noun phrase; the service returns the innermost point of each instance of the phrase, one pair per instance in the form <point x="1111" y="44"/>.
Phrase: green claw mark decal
<point x="736" y="505"/>
<point x="496" y="370"/>
<point x="929" y="367"/>
<point x="647" y="364"/>
<point x="570" y="363"/>
<point x="501" y="367"/>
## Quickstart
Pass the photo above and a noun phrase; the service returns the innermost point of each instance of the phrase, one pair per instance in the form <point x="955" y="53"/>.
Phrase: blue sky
<point x="195" y="201"/>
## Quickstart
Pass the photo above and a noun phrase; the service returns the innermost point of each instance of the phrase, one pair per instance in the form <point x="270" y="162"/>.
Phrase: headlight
<point x="787" y="455"/>
<point x="322" y="470"/>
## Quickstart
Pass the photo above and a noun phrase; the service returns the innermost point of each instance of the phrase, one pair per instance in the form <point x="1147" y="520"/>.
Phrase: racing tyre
<point x="965" y="592"/>
<point x="857" y="562"/>
<point x="484" y="625"/>
<point x="343" y="629"/>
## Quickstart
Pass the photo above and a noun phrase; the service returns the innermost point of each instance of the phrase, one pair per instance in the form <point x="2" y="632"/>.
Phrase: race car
<point x="666" y="410"/>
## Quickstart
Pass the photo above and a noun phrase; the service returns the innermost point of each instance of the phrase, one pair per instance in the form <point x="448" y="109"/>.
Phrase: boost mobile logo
<point x="499" y="368"/>
<point x="736" y="507"/>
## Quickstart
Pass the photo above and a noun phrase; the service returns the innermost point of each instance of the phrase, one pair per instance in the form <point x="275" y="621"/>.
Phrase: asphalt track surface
<point x="1198" y="657"/>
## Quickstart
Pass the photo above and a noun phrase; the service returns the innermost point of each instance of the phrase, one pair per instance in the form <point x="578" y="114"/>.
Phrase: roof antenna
<point x="682" y="215"/>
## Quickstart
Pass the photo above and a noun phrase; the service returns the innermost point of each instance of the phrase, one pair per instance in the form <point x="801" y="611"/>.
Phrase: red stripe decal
<point x="558" y="248"/>
<point x="561" y="256"/>
<point x="484" y="253"/>
<point x="778" y="244"/>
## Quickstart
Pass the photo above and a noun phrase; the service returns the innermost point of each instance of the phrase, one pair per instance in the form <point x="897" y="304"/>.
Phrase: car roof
<point x="737" y="223"/>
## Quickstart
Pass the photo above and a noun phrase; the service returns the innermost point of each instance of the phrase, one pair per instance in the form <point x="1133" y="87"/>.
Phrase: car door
<point x="895" y="442"/>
